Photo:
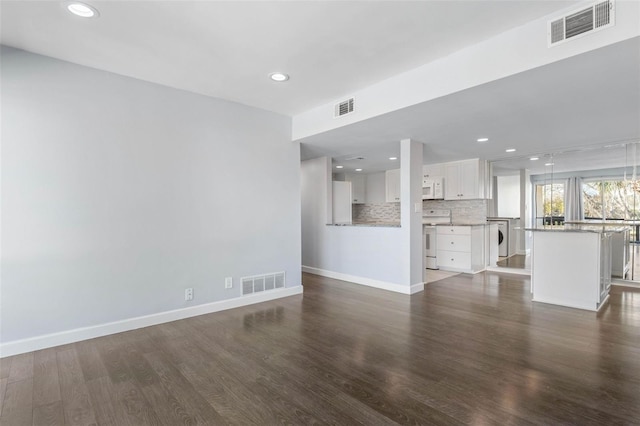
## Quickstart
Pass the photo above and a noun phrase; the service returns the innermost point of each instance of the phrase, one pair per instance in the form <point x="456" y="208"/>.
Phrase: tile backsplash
<point x="462" y="211"/>
<point x="383" y="212"/>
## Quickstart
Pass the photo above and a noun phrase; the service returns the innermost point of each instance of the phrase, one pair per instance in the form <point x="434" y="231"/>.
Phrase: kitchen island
<point x="571" y="265"/>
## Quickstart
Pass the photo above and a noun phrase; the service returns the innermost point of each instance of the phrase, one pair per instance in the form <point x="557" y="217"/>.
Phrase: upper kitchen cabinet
<point x="465" y="180"/>
<point x="392" y="181"/>
<point x="358" y="187"/>
<point x="429" y="171"/>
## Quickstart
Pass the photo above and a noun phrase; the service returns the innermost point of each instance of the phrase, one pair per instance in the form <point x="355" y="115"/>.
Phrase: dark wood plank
<point x="167" y="406"/>
<point x="46" y="384"/>
<point x="75" y="397"/>
<point x="111" y="354"/>
<point x="90" y="360"/>
<point x="3" y="391"/>
<point x="5" y="367"/>
<point x="18" y="403"/>
<point x="102" y="396"/>
<point x="51" y="414"/>
<point x="126" y="404"/>
<point x="21" y="367"/>
<point x="185" y="393"/>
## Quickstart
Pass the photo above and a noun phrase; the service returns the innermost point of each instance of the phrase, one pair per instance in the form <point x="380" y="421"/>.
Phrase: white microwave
<point x="432" y="188"/>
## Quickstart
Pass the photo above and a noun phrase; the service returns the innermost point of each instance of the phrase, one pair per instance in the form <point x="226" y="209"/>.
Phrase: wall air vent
<point x="260" y="283"/>
<point x="596" y="17"/>
<point x="344" y="107"/>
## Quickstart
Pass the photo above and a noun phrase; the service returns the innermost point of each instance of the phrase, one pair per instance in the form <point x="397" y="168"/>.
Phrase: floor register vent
<point x="598" y="16"/>
<point x="260" y="283"/>
<point x="344" y="107"/>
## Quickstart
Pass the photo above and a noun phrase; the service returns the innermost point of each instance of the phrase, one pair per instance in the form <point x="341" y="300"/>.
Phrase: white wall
<point x="508" y="188"/>
<point x="118" y="194"/>
<point x="384" y="257"/>
<point x="367" y="255"/>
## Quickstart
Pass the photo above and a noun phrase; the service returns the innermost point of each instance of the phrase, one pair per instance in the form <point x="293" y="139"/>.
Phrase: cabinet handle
<point x="451" y="242"/>
<point x="452" y="259"/>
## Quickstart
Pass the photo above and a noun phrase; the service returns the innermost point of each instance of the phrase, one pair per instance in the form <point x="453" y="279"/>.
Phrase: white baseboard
<point x="506" y="270"/>
<point x="624" y="283"/>
<point x="384" y="285"/>
<point x="576" y="305"/>
<point x="70" y="336"/>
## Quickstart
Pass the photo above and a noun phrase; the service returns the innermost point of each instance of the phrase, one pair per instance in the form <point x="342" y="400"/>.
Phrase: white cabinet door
<point x="358" y="187"/>
<point x="464" y="180"/>
<point x="469" y="180"/>
<point x="429" y="171"/>
<point x="451" y="181"/>
<point x="392" y="185"/>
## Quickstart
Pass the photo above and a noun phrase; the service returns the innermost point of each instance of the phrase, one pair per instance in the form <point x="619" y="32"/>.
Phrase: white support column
<point x="526" y="211"/>
<point x="411" y="212"/>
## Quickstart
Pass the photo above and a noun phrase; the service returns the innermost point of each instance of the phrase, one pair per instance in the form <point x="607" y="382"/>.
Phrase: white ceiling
<point x="588" y="100"/>
<point x="227" y="49"/>
<point x="331" y="49"/>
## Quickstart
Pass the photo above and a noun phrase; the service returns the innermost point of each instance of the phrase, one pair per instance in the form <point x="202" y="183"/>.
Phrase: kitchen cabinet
<point x="465" y="180"/>
<point x="392" y="184"/>
<point x="429" y="171"/>
<point x="460" y="248"/>
<point x="358" y="187"/>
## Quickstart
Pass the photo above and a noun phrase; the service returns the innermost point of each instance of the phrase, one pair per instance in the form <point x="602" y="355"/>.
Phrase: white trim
<point x="506" y="270"/>
<point x="625" y="283"/>
<point x="384" y="285"/>
<point x="578" y="305"/>
<point x="70" y="336"/>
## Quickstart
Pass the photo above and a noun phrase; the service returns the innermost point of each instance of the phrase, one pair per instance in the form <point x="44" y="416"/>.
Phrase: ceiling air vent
<point x="598" y="16"/>
<point x="344" y="107"/>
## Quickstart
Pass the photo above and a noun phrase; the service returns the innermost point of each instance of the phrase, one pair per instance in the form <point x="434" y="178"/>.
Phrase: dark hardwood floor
<point x="518" y="261"/>
<point x="468" y="350"/>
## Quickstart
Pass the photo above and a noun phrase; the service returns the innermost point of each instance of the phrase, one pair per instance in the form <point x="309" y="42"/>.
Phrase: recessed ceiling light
<point x="358" y="170"/>
<point x="393" y="158"/>
<point x="339" y="167"/>
<point x="82" y="9"/>
<point x="534" y="158"/>
<point x="279" y="77"/>
<point x="548" y="164"/>
<point x="510" y="150"/>
<point x="483" y="139"/>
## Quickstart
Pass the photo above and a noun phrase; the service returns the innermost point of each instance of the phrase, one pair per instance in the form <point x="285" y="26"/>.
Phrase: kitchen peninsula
<point x="571" y="265"/>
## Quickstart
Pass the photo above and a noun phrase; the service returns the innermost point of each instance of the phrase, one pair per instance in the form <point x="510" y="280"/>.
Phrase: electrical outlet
<point x="228" y="282"/>
<point x="188" y="293"/>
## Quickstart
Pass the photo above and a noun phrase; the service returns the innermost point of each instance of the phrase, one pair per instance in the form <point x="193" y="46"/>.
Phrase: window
<point x="550" y="204"/>
<point x="609" y="199"/>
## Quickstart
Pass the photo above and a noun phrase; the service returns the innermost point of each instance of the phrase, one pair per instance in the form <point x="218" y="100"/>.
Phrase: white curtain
<point x="573" y="209"/>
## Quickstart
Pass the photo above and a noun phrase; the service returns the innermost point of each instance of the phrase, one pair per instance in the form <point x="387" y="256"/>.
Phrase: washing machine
<point x="503" y="237"/>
